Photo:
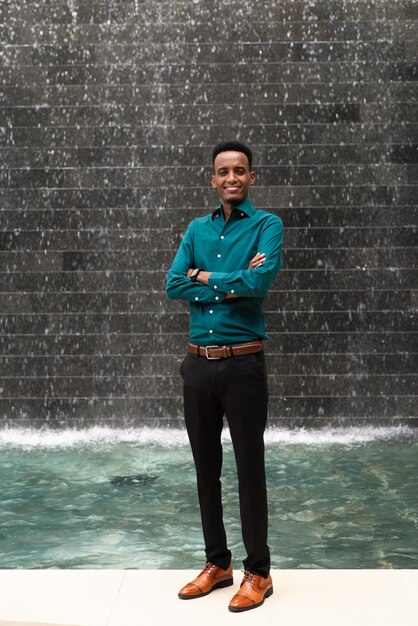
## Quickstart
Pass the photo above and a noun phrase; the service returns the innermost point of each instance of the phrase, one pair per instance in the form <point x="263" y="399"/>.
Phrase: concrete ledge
<point x="130" y="597"/>
<point x="28" y="624"/>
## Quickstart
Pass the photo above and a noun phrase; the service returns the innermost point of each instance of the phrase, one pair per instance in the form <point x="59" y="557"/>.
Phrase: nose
<point x="231" y="178"/>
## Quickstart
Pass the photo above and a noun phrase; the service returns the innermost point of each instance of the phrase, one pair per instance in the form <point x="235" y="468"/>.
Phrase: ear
<point x="252" y="178"/>
<point x="212" y="181"/>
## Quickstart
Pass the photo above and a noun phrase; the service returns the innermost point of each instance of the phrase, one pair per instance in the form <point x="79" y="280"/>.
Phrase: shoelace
<point x="248" y="578"/>
<point x="207" y="569"/>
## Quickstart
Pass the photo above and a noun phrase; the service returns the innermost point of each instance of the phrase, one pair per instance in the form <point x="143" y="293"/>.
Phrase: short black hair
<point x="237" y="146"/>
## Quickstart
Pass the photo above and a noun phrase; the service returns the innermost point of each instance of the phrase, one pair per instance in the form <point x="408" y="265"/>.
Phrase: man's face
<point x="232" y="177"/>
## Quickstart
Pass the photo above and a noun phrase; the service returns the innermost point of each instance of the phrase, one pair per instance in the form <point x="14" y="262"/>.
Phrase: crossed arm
<point x="215" y="287"/>
<point x="203" y="277"/>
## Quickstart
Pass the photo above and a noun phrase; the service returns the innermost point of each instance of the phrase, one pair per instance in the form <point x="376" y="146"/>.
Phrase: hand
<point x="256" y="261"/>
<point x="202" y="277"/>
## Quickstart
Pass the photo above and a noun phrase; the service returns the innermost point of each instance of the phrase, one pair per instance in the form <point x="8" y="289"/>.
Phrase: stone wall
<point x="109" y="111"/>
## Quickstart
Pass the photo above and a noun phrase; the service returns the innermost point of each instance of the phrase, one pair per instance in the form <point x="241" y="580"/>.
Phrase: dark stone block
<point x="412" y="172"/>
<point x="344" y="342"/>
<point x="81" y="282"/>
<point x="96" y="366"/>
<point x="93" y="239"/>
<point x="8" y="324"/>
<point x="25" y="116"/>
<point x="356" y="300"/>
<point x="406" y="112"/>
<point x="404" y="154"/>
<point x="106" y="344"/>
<point x="340" y="236"/>
<point x="85" y="412"/>
<point x="344" y="279"/>
<point x="335" y="409"/>
<point x="7" y="241"/>
<point x="12" y="303"/>
<point x="405" y="71"/>
<point x="73" y="261"/>
<point x="11" y="95"/>
<point x="369" y="321"/>
<point x="407" y="195"/>
<point x="63" y="55"/>
<point x="336" y="386"/>
<point x="348" y="364"/>
<point x="27" y="261"/>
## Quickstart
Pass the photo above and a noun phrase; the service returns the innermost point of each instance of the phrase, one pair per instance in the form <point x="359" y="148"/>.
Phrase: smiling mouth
<point x="232" y="188"/>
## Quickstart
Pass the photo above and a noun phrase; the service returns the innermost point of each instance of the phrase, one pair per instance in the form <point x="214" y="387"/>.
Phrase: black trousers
<point x="235" y="387"/>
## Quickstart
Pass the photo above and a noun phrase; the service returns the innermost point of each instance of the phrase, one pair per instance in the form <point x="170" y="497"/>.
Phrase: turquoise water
<point x="103" y="498"/>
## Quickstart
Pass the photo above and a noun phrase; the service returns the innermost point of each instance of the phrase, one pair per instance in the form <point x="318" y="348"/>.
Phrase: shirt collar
<point x="246" y="206"/>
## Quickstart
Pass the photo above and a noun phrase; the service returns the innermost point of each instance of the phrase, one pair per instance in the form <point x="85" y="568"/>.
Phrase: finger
<point x="257" y="257"/>
<point x="255" y="264"/>
<point x="257" y="260"/>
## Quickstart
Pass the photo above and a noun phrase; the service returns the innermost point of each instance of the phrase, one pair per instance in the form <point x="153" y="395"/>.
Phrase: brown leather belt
<point x="223" y="352"/>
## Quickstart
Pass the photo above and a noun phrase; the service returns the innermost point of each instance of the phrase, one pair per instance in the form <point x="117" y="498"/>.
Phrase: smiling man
<point x="224" y="268"/>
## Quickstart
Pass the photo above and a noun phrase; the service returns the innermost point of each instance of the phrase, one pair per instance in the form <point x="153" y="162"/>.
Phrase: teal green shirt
<point x="226" y="249"/>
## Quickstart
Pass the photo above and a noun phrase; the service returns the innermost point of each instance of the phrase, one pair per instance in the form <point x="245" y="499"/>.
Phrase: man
<point x="224" y="268"/>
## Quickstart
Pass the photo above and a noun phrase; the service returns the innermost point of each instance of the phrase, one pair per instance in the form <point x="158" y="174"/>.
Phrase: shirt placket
<point x="215" y="266"/>
<point x="227" y="226"/>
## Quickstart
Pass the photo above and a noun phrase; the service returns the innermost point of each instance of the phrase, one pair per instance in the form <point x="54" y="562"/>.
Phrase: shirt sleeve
<point x="178" y="285"/>
<point x="255" y="283"/>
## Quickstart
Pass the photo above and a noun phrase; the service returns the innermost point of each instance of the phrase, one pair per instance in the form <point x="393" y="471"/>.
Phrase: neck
<point x="227" y="209"/>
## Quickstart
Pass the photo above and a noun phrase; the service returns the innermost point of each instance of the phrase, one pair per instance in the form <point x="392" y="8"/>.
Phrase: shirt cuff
<point x="217" y="282"/>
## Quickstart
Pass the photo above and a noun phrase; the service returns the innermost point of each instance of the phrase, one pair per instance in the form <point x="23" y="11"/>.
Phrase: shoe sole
<point x="239" y="609"/>
<point x="220" y="585"/>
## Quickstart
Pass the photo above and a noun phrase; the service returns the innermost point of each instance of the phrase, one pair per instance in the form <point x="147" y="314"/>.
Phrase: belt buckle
<point x="211" y="358"/>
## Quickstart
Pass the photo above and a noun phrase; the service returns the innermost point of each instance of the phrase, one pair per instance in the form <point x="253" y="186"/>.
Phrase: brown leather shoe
<point x="210" y="578"/>
<point x="252" y="592"/>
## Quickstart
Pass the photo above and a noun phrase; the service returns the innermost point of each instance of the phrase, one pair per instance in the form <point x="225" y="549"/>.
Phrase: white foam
<point x="102" y="435"/>
<point x="340" y="436"/>
<point x="69" y="438"/>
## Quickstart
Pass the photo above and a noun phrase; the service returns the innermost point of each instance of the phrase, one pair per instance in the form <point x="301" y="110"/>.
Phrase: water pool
<point x="104" y="498"/>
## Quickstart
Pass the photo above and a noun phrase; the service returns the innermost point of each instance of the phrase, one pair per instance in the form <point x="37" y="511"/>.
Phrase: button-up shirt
<point x="225" y="248"/>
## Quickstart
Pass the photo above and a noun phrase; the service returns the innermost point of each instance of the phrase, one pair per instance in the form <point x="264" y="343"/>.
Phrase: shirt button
<point x="215" y="286"/>
<point x="232" y="291"/>
<point x="211" y="311"/>
<point x="242" y="214"/>
<point x="219" y="256"/>
<point x="211" y="331"/>
<point x="222" y="237"/>
<point x="216" y="297"/>
<point x="196" y="298"/>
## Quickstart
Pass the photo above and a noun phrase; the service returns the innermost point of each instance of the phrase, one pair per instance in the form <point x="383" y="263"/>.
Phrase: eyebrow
<point x="236" y="167"/>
